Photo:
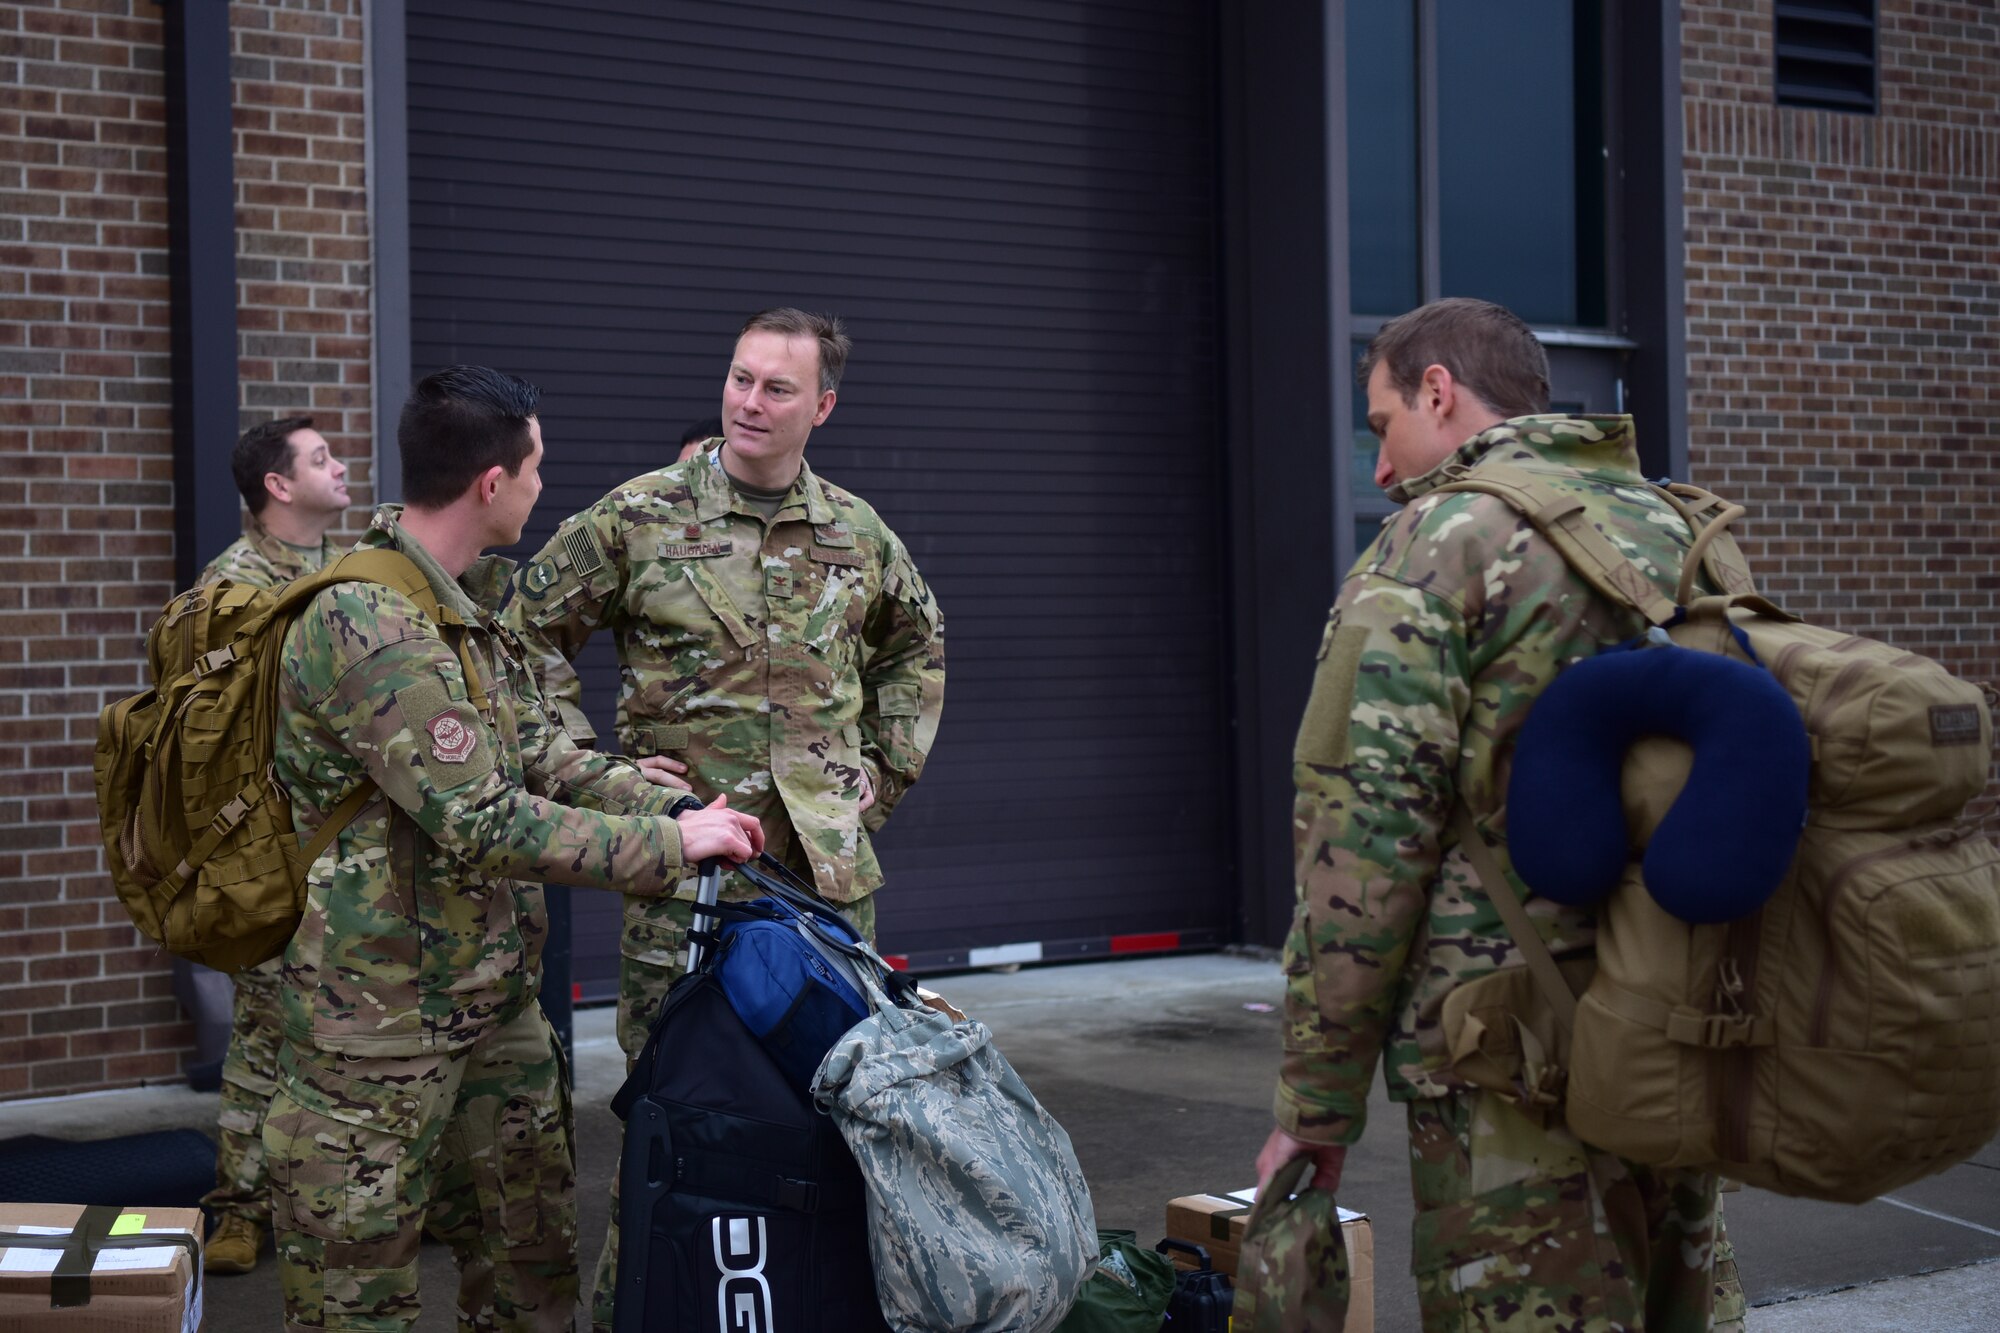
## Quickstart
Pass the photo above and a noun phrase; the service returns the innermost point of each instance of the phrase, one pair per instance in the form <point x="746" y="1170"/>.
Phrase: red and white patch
<point x="452" y="741"/>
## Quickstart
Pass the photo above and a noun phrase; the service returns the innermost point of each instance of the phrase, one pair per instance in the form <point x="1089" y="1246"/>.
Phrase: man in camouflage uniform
<point x="1448" y="627"/>
<point x="777" y="641"/>
<point x="295" y="490"/>
<point x="420" y="1086"/>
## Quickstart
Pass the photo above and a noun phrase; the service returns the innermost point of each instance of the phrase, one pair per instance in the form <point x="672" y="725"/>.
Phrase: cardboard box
<point x="144" y="1276"/>
<point x="1216" y="1222"/>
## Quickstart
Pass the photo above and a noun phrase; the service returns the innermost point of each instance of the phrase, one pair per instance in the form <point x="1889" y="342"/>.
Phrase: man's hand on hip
<point x="717" y="831"/>
<point x="664" y="771"/>
<point x="1281" y="1147"/>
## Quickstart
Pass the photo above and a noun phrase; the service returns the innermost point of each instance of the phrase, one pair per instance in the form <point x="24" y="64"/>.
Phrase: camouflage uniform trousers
<point x="249" y="1077"/>
<point x="644" y="976"/>
<point x="367" y="1153"/>
<point x="1521" y="1227"/>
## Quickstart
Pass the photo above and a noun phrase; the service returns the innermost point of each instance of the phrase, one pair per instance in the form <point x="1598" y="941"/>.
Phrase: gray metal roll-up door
<point x="1013" y="205"/>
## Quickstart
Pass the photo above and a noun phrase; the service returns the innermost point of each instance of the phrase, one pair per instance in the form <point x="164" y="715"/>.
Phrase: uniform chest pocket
<point x="684" y="602"/>
<point x="838" y="603"/>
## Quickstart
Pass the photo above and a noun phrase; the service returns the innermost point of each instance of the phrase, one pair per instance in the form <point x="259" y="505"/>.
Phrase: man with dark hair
<point x="296" y="490"/>
<point x="420" y="1087"/>
<point x="695" y="436"/>
<point x="1445" y="632"/>
<point x="777" y="641"/>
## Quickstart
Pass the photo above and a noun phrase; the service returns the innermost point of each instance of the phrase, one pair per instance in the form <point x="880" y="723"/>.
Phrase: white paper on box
<point x="1250" y="1196"/>
<point x="21" y="1260"/>
<point x="192" y="1323"/>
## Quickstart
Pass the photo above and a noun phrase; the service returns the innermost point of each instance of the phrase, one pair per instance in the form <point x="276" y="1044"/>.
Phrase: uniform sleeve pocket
<point x="899" y="700"/>
<point x="1322" y="735"/>
<point x="452" y="742"/>
<point x="573" y="560"/>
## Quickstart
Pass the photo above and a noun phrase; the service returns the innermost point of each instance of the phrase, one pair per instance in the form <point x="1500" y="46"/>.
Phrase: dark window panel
<point x="1384" y="232"/>
<point x="1506" y="155"/>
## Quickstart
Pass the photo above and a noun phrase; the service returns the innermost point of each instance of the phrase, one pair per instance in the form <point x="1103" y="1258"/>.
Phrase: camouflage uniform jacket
<point x="262" y="561"/>
<point x="778" y="662"/>
<point x="1444" y="633"/>
<point x="419" y="933"/>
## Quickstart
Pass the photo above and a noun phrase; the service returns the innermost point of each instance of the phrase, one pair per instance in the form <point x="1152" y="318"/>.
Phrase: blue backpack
<point x="782" y="970"/>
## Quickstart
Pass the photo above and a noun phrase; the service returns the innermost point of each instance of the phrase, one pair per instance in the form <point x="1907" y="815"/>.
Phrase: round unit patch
<point x="541" y="576"/>
<point x="452" y="742"/>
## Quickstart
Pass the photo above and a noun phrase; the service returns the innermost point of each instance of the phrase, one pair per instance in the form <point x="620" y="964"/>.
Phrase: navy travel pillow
<point x="1728" y="839"/>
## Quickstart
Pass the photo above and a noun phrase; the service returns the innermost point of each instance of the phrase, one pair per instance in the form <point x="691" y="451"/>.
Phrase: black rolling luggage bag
<point x="741" y="1209"/>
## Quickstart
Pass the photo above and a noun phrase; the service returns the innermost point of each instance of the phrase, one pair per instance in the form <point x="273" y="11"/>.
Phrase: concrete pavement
<point x="1161" y="1070"/>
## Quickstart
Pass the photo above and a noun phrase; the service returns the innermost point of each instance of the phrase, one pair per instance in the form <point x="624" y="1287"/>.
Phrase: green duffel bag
<point x="1128" y="1290"/>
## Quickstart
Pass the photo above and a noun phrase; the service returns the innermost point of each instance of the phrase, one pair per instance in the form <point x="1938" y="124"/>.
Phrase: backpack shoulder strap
<point x="1559" y="516"/>
<point x="392" y="569"/>
<point x="1514" y="914"/>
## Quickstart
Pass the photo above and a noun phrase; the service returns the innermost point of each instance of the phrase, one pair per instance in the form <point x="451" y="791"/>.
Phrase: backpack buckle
<point x="229" y="816"/>
<point x="1717" y="1031"/>
<point x="214" y="660"/>
<point x="1720" y="1030"/>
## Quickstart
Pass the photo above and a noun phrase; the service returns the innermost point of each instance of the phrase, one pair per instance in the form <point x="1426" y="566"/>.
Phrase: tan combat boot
<point x="234" y="1246"/>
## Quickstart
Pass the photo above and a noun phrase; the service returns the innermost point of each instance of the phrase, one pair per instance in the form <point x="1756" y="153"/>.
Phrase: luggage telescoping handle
<point x="707" y="891"/>
<point x="779" y="880"/>
<point x="707" y="888"/>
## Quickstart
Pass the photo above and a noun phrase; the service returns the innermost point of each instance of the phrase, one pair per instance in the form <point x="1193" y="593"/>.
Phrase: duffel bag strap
<point x="1514" y="914"/>
<point x="783" y="883"/>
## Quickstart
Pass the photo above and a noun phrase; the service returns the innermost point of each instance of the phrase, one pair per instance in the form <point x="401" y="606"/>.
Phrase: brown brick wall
<point x="1843" y="304"/>
<point x="86" y="493"/>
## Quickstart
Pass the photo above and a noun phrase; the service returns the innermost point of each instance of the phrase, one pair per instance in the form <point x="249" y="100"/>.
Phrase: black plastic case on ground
<point x="1202" y="1298"/>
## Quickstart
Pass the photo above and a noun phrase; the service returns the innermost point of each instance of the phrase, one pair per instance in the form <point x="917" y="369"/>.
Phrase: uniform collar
<point x="1605" y="446"/>
<point x="472" y="597"/>
<point x="284" y="557"/>
<point x="714" y="496"/>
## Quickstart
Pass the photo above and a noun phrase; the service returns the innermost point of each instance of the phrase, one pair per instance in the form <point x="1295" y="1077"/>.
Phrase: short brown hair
<point x="266" y="447"/>
<point x="1487" y="348"/>
<point x="834" y="343"/>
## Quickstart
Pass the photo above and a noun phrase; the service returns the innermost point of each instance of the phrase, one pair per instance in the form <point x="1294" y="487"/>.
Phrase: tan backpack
<point x="197" y="832"/>
<point x="1840" y="1042"/>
